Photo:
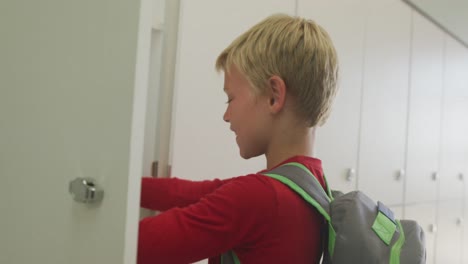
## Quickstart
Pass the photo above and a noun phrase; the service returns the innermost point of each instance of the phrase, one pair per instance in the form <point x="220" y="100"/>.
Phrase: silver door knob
<point x="85" y="190"/>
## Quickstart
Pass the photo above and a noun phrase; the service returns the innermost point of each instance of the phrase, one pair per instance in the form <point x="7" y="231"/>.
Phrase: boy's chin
<point x="248" y="155"/>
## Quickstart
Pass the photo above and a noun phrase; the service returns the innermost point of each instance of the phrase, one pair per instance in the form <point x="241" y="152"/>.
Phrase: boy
<point x="280" y="80"/>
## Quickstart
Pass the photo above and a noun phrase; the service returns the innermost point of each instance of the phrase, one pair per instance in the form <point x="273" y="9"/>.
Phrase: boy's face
<point x="247" y="114"/>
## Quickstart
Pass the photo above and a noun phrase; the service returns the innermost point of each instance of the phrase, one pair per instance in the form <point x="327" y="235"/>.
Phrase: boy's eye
<point x="228" y="101"/>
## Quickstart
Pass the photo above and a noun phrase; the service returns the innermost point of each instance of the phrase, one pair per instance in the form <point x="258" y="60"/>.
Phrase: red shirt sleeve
<point x="162" y="194"/>
<point x="237" y="211"/>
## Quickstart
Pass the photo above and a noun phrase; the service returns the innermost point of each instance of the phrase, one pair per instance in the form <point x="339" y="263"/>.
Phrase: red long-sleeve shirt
<point x="258" y="217"/>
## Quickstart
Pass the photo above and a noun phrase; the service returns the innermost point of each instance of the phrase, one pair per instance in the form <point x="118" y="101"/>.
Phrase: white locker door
<point x="425" y="215"/>
<point x="203" y="145"/>
<point x="337" y="141"/>
<point x="449" y="232"/>
<point x="425" y="107"/>
<point x="384" y="101"/>
<point x="72" y="104"/>
<point x="455" y="124"/>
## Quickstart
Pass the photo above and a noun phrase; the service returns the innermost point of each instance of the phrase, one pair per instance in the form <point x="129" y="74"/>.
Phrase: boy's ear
<point x="277" y="93"/>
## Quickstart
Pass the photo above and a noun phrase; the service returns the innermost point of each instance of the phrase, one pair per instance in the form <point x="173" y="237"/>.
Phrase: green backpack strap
<point x="302" y="181"/>
<point x="229" y="258"/>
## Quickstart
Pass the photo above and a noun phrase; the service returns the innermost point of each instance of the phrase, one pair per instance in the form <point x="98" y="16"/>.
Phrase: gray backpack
<point x="359" y="230"/>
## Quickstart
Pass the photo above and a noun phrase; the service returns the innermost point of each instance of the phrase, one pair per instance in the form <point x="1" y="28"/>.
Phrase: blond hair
<point x="295" y="49"/>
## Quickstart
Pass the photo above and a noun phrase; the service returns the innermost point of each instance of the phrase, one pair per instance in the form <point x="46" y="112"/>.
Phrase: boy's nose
<point x="225" y="117"/>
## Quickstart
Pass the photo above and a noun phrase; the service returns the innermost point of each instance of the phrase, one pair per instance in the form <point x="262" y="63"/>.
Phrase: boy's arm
<point x="161" y="194"/>
<point x="240" y="210"/>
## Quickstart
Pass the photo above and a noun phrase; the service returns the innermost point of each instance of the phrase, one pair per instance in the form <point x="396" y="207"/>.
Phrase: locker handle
<point x="351" y="175"/>
<point x="435" y="176"/>
<point x="401" y="173"/>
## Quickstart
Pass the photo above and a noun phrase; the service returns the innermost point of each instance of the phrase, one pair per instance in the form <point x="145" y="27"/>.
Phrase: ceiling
<point x="450" y="15"/>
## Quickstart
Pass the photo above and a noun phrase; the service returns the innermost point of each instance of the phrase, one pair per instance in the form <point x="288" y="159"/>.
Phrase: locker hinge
<point x="155" y="167"/>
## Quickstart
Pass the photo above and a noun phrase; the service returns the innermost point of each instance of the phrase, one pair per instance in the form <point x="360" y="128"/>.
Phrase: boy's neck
<point x="290" y="144"/>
